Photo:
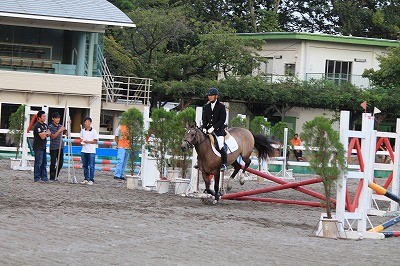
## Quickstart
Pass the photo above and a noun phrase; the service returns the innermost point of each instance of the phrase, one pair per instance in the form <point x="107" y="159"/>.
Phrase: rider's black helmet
<point x="213" y="91"/>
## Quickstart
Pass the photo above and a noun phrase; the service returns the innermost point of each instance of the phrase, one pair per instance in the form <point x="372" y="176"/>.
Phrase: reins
<point x="191" y="145"/>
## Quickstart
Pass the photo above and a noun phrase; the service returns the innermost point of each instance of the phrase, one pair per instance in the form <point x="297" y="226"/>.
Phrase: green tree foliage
<point x="328" y="160"/>
<point x="16" y="126"/>
<point x="160" y="128"/>
<point x="239" y="121"/>
<point x="307" y="16"/>
<point x="183" y="119"/>
<point x="133" y="120"/>
<point x="260" y="126"/>
<point x="370" y="18"/>
<point x="278" y="131"/>
<point x="389" y="73"/>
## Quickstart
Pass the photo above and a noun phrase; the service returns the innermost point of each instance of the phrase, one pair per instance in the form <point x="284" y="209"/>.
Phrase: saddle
<point x="214" y="141"/>
<point x="230" y="144"/>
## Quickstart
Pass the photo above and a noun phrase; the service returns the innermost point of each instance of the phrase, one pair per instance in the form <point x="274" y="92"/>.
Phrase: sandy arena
<point x="107" y="224"/>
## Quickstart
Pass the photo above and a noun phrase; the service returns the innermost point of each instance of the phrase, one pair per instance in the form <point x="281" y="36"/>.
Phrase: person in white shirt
<point x="89" y="138"/>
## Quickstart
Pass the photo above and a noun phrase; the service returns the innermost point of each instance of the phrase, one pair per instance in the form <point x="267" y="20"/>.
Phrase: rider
<point x="214" y="116"/>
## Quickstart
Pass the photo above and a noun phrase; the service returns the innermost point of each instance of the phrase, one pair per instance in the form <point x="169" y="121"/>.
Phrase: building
<point x="51" y="54"/>
<point x="315" y="56"/>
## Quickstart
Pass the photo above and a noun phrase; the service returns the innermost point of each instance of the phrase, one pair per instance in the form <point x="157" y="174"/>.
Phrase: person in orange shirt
<point x="121" y="138"/>
<point x="296" y="141"/>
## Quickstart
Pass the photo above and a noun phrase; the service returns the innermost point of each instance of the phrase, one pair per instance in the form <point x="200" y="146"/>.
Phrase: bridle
<point x="191" y="145"/>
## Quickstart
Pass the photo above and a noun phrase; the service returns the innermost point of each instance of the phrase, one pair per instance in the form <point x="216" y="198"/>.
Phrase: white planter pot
<point x="162" y="186"/>
<point x="172" y="174"/>
<point x="14" y="163"/>
<point x="330" y="228"/>
<point x="181" y="185"/>
<point x="132" y="181"/>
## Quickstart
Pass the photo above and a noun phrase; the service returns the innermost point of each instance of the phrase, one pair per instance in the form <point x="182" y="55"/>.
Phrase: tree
<point x="183" y="119"/>
<point x="388" y="74"/>
<point x="259" y="125"/>
<point x="328" y="159"/>
<point x="159" y="127"/>
<point x="368" y="18"/>
<point x="16" y="126"/>
<point x="307" y="16"/>
<point x="133" y="120"/>
<point x="239" y="121"/>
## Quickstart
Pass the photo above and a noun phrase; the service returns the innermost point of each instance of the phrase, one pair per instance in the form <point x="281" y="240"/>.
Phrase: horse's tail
<point x="263" y="147"/>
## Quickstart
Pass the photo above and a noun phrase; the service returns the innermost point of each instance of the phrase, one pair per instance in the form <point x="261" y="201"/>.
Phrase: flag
<point x="376" y="111"/>
<point x="364" y="105"/>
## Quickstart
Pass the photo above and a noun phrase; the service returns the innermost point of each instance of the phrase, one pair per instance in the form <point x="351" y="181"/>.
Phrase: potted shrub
<point x="16" y="127"/>
<point x="239" y="121"/>
<point x="259" y="125"/>
<point x="182" y="119"/>
<point x="133" y="120"/>
<point x="327" y="159"/>
<point x="161" y="128"/>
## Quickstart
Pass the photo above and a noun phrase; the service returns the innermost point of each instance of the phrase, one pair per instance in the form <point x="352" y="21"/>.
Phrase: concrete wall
<point x="52" y="90"/>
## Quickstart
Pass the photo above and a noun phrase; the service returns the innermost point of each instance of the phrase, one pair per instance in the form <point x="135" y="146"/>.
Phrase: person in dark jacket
<point x="40" y="134"/>
<point x="56" y="146"/>
<point x="214" y="116"/>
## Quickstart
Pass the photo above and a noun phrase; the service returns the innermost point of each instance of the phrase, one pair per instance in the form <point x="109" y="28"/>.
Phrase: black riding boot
<point x="224" y="165"/>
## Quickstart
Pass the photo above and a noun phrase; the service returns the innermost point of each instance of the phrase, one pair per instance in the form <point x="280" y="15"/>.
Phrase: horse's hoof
<point x="209" y="200"/>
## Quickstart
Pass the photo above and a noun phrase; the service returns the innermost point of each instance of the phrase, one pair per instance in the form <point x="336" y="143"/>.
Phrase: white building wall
<point x="311" y="56"/>
<point x="53" y="91"/>
<point x="304" y="115"/>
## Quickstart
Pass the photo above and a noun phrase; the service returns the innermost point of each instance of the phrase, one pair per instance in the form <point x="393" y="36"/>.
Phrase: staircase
<point x="122" y="89"/>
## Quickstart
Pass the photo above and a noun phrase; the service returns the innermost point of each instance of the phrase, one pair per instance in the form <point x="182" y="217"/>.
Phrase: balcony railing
<point x="356" y="80"/>
<point x="126" y="90"/>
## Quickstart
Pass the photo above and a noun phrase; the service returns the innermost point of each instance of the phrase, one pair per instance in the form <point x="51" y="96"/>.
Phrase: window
<point x="338" y="71"/>
<point x="290" y="70"/>
<point x="265" y="68"/>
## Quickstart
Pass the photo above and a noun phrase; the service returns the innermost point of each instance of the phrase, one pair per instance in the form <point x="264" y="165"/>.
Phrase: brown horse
<point x="209" y="163"/>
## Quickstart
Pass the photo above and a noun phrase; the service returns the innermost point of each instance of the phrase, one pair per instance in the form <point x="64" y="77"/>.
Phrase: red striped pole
<point x="269" y="189"/>
<point x="284" y="201"/>
<point x="282" y="182"/>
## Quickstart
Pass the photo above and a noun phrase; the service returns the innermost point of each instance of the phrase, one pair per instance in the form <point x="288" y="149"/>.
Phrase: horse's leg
<point x="216" y="186"/>
<point x="237" y="167"/>
<point x="247" y="162"/>
<point x="207" y="182"/>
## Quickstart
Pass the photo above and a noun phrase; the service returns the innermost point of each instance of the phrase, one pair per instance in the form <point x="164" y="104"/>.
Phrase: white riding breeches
<point x="220" y="140"/>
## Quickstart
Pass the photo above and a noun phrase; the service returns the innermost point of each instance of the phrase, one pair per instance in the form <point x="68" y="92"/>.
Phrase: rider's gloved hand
<point x="204" y="131"/>
<point x="210" y="130"/>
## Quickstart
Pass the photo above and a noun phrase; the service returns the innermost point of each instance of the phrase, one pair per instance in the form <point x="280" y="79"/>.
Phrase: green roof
<point x="321" y="38"/>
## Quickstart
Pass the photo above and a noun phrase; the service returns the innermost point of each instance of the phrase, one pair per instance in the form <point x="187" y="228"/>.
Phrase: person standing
<point x="296" y="141"/>
<point x="213" y="118"/>
<point x="56" y="146"/>
<point x="121" y="137"/>
<point x="89" y="138"/>
<point x="40" y="134"/>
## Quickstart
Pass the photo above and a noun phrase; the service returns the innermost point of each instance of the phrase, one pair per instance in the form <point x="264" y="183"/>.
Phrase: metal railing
<point x="356" y="80"/>
<point x="122" y="89"/>
<point x="127" y="90"/>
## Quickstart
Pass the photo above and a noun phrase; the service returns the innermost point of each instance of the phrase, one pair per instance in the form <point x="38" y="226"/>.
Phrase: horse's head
<point x="192" y="136"/>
